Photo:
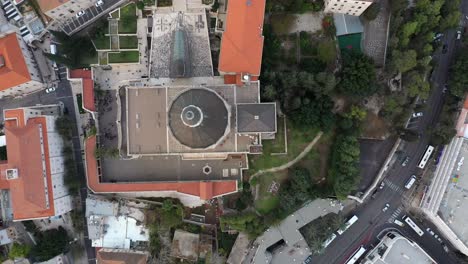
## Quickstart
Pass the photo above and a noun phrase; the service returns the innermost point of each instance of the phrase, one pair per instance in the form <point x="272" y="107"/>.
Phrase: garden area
<point x="128" y="19"/>
<point x="131" y="56"/>
<point x="128" y="42"/>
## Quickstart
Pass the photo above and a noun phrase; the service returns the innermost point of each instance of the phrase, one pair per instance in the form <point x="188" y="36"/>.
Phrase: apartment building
<point x="33" y="176"/>
<point x="349" y="7"/>
<point x="19" y="72"/>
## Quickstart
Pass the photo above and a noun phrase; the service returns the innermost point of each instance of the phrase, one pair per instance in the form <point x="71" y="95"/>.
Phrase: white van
<point x="53" y="49"/>
<point x="410" y="182"/>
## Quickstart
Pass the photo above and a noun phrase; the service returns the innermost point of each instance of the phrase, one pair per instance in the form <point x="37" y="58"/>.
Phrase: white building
<point x="397" y="249"/>
<point x="350" y="7"/>
<point x="111" y="225"/>
<point x="19" y="72"/>
<point x="33" y="176"/>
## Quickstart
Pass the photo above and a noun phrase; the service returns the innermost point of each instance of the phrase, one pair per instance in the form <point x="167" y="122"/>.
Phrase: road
<point x="372" y="219"/>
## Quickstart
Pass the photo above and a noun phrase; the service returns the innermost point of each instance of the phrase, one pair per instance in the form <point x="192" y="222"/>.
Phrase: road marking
<point x="393" y="186"/>
<point x="395" y="214"/>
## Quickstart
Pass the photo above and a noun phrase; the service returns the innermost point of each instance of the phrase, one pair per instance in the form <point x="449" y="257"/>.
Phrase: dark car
<point x="444" y="48"/>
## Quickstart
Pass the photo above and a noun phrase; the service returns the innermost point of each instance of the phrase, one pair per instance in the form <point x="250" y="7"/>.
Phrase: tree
<point x="269" y="92"/>
<point x="140" y="5"/>
<point x="459" y="79"/>
<point x="247" y="222"/>
<point x="372" y="12"/>
<point x="416" y="85"/>
<point x="358" y="75"/>
<point x="403" y="61"/>
<point x="64" y="126"/>
<point x="356" y="113"/>
<point x="19" y="251"/>
<point x="51" y="243"/>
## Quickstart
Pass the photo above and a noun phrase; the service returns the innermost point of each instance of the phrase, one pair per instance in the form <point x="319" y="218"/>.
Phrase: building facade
<point x="349" y="7"/>
<point x="19" y="72"/>
<point x="33" y="175"/>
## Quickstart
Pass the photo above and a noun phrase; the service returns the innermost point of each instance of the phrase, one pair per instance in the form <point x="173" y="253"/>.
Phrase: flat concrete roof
<point x="454" y="206"/>
<point x="172" y="168"/>
<point x="397" y="249"/>
<point x="146" y="127"/>
<point x="147" y="120"/>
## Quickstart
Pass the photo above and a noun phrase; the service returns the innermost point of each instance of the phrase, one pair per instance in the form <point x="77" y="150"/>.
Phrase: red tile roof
<point x="28" y="194"/>
<point x="204" y="190"/>
<point x="242" y="42"/>
<point x="15" y="71"/>
<point x="88" y="87"/>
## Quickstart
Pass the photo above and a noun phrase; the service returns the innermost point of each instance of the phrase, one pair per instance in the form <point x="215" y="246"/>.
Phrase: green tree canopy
<point x="51" y="243"/>
<point x="458" y="74"/>
<point x="403" y="61"/>
<point x="19" y="251"/>
<point x="358" y="75"/>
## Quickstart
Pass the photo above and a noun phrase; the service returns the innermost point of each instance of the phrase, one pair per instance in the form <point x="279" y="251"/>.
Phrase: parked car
<point x="418" y="114"/>
<point x="444" y="49"/>
<point x="382" y="185"/>
<point x="50" y="89"/>
<point x="438" y="36"/>
<point x="405" y="161"/>
<point x="386" y="207"/>
<point x="81" y="13"/>
<point x="99" y="3"/>
<point x="458" y="34"/>
<point x="445" y="88"/>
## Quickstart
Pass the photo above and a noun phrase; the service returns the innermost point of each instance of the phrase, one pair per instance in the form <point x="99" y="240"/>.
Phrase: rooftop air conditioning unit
<point x="12" y="174"/>
<point x="245" y="77"/>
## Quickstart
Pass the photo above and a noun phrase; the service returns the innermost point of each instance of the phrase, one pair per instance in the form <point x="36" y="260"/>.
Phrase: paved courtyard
<point x="375" y="34"/>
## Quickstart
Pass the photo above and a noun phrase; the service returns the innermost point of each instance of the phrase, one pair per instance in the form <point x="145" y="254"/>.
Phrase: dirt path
<point x="295" y="160"/>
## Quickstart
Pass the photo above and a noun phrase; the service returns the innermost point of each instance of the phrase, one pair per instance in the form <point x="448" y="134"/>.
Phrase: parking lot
<point x="75" y="23"/>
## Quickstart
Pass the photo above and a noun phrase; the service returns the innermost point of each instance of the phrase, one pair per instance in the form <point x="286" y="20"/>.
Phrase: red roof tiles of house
<point x="204" y="190"/>
<point x="14" y="71"/>
<point x="242" y="42"/>
<point x="28" y="194"/>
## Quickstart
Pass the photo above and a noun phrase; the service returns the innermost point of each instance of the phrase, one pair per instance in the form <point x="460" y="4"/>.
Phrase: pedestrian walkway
<point x="394" y="187"/>
<point x="395" y="214"/>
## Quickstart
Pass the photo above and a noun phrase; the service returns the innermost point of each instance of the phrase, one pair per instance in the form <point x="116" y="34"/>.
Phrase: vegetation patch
<point x="163" y="3"/>
<point x="282" y="23"/>
<point x="297" y="141"/>
<point x="131" y="56"/>
<point x="128" y="42"/>
<point x="128" y="19"/>
<point x="318" y="231"/>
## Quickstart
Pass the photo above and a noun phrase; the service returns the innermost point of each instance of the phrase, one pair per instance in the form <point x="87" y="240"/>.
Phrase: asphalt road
<point x="372" y="220"/>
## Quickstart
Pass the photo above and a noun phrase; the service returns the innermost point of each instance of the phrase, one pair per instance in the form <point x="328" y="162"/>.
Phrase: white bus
<point x="410" y="182"/>
<point x="356" y="256"/>
<point x="426" y="157"/>
<point x="348" y="223"/>
<point x="329" y="240"/>
<point x="414" y="226"/>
